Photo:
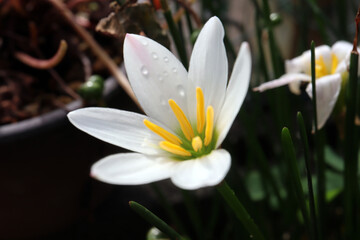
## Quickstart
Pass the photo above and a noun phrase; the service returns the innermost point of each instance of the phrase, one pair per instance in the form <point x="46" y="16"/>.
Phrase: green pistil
<point x="186" y="144"/>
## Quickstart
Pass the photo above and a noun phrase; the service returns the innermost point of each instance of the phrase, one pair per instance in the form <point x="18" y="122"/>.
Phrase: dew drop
<point x="154" y="56"/>
<point x="174" y="70"/>
<point x="144" y="71"/>
<point x="165" y="73"/>
<point x="181" y="90"/>
<point x="166" y="59"/>
<point x="144" y="42"/>
<point x="160" y="78"/>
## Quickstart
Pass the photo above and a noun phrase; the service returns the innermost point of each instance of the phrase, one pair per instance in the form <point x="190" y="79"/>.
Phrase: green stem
<point x="351" y="153"/>
<point x="304" y="140"/>
<point x="175" y="34"/>
<point x="189" y="23"/>
<point x="313" y="79"/>
<point x="281" y="104"/>
<point x="288" y="148"/>
<point x="240" y="211"/>
<point x="319" y="144"/>
<point x="262" y="59"/>
<point x="275" y="58"/>
<point x="155" y="220"/>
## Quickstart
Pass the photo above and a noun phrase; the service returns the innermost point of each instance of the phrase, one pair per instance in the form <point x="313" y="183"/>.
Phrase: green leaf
<point x="155" y="220"/>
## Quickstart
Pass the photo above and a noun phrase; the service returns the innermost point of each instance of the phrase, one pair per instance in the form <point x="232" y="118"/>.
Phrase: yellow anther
<point x="183" y="121"/>
<point x="196" y="143"/>
<point x="162" y="132"/>
<point x="334" y="63"/>
<point x="200" y="110"/>
<point x="320" y="68"/>
<point x="209" y="125"/>
<point x="174" y="149"/>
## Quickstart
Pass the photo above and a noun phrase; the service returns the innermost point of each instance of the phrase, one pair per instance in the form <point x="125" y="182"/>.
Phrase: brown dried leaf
<point x="111" y="25"/>
<point x="135" y="18"/>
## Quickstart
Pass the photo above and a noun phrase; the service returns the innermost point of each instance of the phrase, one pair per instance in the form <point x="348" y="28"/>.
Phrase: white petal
<point x="155" y="76"/>
<point x="327" y="92"/>
<point x="304" y="61"/>
<point x="121" y="128"/>
<point x="294" y="87"/>
<point x="296" y="65"/>
<point x="208" y="67"/>
<point x="235" y="92"/>
<point x="283" y="80"/>
<point x="341" y="49"/>
<point x="131" y="169"/>
<point x="201" y="172"/>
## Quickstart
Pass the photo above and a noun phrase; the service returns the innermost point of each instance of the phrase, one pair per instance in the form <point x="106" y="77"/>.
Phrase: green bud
<point x="97" y="79"/>
<point x="92" y="89"/>
<point x="275" y="19"/>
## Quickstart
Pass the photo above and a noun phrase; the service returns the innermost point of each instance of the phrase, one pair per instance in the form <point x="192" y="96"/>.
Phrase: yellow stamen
<point x="320" y="68"/>
<point x="196" y="143"/>
<point x="200" y="110"/>
<point x="175" y="149"/>
<point x="209" y="125"/>
<point x="183" y="121"/>
<point x="334" y="63"/>
<point x="162" y="132"/>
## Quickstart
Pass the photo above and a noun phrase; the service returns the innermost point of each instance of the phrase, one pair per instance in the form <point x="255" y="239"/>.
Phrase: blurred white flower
<point x="188" y="113"/>
<point x="331" y="66"/>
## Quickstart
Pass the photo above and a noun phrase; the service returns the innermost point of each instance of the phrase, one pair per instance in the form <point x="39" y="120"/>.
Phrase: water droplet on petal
<point x="181" y="90"/>
<point x="166" y="59"/>
<point x="144" y="71"/>
<point x="154" y="56"/>
<point x="165" y="73"/>
<point x="160" y="78"/>
<point x="174" y="70"/>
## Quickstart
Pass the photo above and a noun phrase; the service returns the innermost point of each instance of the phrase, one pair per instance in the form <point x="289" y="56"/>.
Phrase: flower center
<point x="188" y="142"/>
<point x="321" y="69"/>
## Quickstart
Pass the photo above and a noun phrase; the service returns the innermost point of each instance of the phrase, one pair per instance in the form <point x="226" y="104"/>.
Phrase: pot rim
<point x="36" y="125"/>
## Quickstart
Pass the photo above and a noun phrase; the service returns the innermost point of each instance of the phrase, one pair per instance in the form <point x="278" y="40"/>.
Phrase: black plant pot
<point x="44" y="171"/>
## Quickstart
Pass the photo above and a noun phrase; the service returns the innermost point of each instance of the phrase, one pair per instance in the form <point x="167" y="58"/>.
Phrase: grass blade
<point x="155" y="220"/>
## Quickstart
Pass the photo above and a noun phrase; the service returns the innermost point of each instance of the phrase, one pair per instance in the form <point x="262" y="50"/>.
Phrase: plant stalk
<point x="240" y="211"/>
<point x="175" y="33"/>
<point x="288" y="148"/>
<point x="319" y="148"/>
<point x="97" y="49"/>
<point x="304" y="140"/>
<point x="351" y="153"/>
<point x="155" y="220"/>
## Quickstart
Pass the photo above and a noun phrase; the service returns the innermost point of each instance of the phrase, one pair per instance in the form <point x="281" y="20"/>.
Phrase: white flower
<point x="331" y="66"/>
<point x="188" y="113"/>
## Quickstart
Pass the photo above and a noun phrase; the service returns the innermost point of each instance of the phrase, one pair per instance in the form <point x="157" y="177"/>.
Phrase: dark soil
<point x="35" y="27"/>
